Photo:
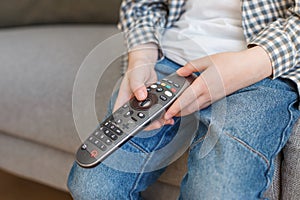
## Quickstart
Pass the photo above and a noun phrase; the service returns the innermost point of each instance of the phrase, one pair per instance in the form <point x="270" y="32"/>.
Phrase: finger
<point x="201" y="103"/>
<point x="186" y="98"/>
<point x="193" y="66"/>
<point x="159" y="123"/>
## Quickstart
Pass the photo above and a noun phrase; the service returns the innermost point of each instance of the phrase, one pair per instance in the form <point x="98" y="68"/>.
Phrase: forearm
<point x="142" y="54"/>
<point x="254" y="65"/>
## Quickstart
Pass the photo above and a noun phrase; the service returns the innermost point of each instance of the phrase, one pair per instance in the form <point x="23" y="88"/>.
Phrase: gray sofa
<point x="38" y="137"/>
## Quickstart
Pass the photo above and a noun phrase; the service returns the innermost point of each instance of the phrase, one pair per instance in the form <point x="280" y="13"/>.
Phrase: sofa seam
<point x="41" y="143"/>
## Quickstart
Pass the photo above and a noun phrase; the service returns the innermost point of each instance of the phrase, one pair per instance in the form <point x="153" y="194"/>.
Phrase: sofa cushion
<point x="37" y="73"/>
<point x="14" y="12"/>
<point x="291" y="166"/>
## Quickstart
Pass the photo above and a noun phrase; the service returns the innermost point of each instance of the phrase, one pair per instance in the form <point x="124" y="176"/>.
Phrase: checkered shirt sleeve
<point x="280" y="38"/>
<point x="143" y="21"/>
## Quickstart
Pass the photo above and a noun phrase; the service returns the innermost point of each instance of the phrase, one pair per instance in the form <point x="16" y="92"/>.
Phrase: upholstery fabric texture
<point x="28" y="12"/>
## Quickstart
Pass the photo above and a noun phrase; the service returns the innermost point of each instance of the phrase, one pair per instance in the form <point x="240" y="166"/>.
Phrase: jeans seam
<point x="198" y="141"/>
<point x="170" y="128"/>
<point x="148" y="158"/>
<point x="288" y="125"/>
<point x="250" y="148"/>
<point x="138" y="147"/>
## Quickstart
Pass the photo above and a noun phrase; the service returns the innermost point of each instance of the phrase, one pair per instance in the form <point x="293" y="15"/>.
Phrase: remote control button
<point x="107" y="132"/>
<point x="94" y="153"/>
<point x="106" y="124"/>
<point x="162" y="97"/>
<point x="141" y="115"/>
<point x="163" y="84"/>
<point x="125" y="126"/>
<point x="108" y="141"/>
<point x="97" y="133"/>
<point x="134" y="119"/>
<point x="102" y="137"/>
<point x="118" y="131"/>
<point x="148" y="89"/>
<point x="153" y="86"/>
<point x="176" y="85"/>
<point x="102" y="147"/>
<point x="91" y="139"/>
<point x="125" y="106"/>
<point x="96" y="142"/>
<point x="112" y="127"/>
<point x="169" y="81"/>
<point x="118" y="121"/>
<point x="127" y="114"/>
<point x="158" y="82"/>
<point x="113" y="137"/>
<point x="173" y="90"/>
<point x="83" y="147"/>
<point x="168" y="93"/>
<point x="167" y="86"/>
<point x="146" y="103"/>
<point x="105" y="139"/>
<point x="159" y="89"/>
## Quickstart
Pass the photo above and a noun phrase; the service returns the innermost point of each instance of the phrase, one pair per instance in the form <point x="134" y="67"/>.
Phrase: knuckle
<point x="191" y="65"/>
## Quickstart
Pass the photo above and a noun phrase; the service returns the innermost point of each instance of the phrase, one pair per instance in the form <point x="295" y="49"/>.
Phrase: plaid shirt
<point x="273" y="25"/>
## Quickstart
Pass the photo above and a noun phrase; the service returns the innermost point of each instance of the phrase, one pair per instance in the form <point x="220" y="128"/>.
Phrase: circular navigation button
<point x="144" y="105"/>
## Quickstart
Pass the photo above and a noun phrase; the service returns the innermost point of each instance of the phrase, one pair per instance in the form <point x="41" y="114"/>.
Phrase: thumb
<point x="140" y="93"/>
<point x="138" y="77"/>
<point x="138" y="87"/>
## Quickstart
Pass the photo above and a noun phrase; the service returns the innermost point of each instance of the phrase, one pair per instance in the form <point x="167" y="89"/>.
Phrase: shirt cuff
<point x="277" y="43"/>
<point x="142" y="35"/>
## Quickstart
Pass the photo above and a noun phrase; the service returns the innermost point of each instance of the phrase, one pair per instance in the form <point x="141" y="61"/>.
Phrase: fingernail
<point x="141" y="95"/>
<point x="171" y="121"/>
<point x="167" y="116"/>
<point x="179" y="70"/>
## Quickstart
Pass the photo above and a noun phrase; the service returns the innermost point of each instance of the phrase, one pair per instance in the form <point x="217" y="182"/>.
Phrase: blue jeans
<point x="231" y="155"/>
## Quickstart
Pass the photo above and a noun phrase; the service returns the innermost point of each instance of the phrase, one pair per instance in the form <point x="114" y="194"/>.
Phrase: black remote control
<point x="129" y="119"/>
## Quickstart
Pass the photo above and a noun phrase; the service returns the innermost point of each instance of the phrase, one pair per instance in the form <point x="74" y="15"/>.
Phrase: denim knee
<point x="231" y="170"/>
<point x="84" y="186"/>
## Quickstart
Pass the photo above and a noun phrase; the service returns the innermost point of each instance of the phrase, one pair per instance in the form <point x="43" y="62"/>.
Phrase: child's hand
<point x="222" y="74"/>
<point x="140" y="72"/>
